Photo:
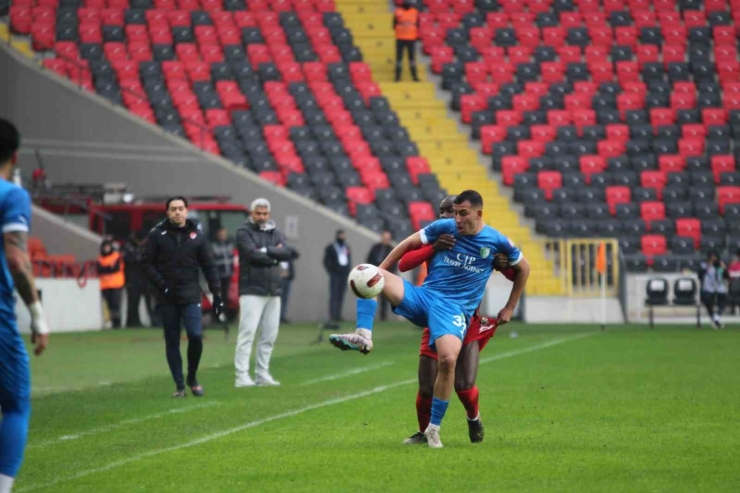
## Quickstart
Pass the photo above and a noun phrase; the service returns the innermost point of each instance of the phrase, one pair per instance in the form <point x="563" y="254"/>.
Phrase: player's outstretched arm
<point x="414" y="258"/>
<point x="411" y="243"/>
<point x="19" y="263"/>
<point x="520" y="281"/>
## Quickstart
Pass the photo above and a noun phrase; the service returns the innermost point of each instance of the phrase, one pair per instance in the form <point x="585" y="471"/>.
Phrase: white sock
<point x="715" y="317"/>
<point x="6" y="483"/>
<point x="432" y="427"/>
<point x="476" y="418"/>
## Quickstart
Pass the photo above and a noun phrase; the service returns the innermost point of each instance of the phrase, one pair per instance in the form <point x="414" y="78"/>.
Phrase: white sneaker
<point x="243" y="381"/>
<point x="265" y="380"/>
<point x="432" y="434"/>
<point x="359" y="340"/>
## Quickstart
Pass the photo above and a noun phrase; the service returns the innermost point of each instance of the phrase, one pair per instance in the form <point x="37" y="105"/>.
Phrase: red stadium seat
<point x="652" y="211"/>
<point x="689" y="227"/>
<point x="511" y="166"/>
<point x="549" y="181"/>
<point x="722" y="164"/>
<point x="727" y="195"/>
<point x="617" y="195"/>
<point x="653" y="179"/>
<point x="653" y="245"/>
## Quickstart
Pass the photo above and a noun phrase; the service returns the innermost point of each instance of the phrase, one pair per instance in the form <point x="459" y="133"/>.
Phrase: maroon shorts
<point x="474" y="333"/>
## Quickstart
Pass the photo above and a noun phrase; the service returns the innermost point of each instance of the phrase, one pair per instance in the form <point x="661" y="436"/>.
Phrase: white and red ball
<point x="366" y="281"/>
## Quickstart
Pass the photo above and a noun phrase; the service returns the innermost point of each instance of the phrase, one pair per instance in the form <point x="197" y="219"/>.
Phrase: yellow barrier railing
<point x="575" y="263"/>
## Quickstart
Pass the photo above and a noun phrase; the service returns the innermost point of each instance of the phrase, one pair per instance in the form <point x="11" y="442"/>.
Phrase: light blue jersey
<point x="456" y="281"/>
<point x="461" y="274"/>
<point x="15" y="377"/>
<point x="15" y="215"/>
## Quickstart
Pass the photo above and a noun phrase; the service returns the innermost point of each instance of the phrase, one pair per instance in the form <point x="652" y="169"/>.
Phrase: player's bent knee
<point x="447" y="362"/>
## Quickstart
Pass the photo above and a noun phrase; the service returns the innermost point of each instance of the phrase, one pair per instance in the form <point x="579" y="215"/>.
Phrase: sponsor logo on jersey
<point x="463" y="261"/>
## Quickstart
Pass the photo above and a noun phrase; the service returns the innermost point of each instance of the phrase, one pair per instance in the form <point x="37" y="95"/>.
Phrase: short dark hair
<point x="471" y="196"/>
<point x="10" y="140"/>
<point x="176" y="197"/>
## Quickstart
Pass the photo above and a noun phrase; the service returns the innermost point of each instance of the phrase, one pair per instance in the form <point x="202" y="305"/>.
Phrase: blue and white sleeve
<point x="506" y="246"/>
<point x="434" y="230"/>
<point x="16" y="213"/>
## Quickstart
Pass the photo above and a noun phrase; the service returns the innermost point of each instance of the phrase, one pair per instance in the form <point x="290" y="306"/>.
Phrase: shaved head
<point x="445" y="207"/>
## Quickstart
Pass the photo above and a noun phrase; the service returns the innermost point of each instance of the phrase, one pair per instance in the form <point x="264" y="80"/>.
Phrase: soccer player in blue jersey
<point x="449" y="296"/>
<point x="15" y="271"/>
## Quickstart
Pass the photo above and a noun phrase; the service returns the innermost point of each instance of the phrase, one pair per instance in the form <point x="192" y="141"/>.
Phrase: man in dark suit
<point x="377" y="254"/>
<point x="338" y="263"/>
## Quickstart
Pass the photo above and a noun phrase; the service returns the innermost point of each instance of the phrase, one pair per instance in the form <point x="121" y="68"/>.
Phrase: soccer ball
<point x="366" y="281"/>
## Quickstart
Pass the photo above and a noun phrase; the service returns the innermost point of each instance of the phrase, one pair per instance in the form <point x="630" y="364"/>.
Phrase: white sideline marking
<point x="287" y="414"/>
<point x="121" y="424"/>
<point x="348" y="373"/>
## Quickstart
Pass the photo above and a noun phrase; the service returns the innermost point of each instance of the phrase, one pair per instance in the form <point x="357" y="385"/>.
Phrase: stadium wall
<point x="64" y="238"/>
<point x="84" y="139"/>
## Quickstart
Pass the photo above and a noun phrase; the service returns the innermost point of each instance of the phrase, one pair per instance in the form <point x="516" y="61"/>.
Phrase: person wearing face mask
<point x="714" y="277"/>
<point x="174" y="254"/>
<point x="112" y="280"/>
<point x="406" y="27"/>
<point x="338" y="263"/>
<point x="261" y="248"/>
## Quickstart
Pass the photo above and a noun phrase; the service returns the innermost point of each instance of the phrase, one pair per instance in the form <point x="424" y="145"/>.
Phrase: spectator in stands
<point x="223" y="255"/>
<point x="378" y="253"/>
<point x="338" y="263"/>
<point x="137" y="285"/>
<point x="406" y="26"/>
<point x="261" y="248"/>
<point x="112" y="280"/>
<point x="174" y="253"/>
<point x="288" y="274"/>
<point x="714" y="277"/>
<point x="734" y="269"/>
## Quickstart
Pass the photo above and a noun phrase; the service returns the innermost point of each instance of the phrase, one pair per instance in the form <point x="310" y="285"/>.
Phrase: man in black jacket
<point x="378" y="253"/>
<point x="261" y="248"/>
<point x="174" y="253"/>
<point x="338" y="263"/>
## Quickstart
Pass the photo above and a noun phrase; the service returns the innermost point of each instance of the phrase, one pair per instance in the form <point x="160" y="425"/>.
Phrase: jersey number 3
<point x="459" y="321"/>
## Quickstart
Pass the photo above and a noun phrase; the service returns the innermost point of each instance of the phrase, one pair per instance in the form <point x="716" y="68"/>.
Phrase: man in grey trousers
<point x="261" y="249"/>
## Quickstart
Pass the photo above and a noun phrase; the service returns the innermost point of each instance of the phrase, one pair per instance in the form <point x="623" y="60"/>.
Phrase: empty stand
<point x="634" y="105"/>
<point x="279" y="88"/>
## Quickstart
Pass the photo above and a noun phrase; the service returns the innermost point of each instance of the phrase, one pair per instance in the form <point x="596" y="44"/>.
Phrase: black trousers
<point x="225" y="285"/>
<point x="134" y="292"/>
<point x="410" y="47"/>
<point x="709" y="300"/>
<point x="112" y="298"/>
<point x="173" y="318"/>
<point x="337" y="290"/>
<point x="284" y="298"/>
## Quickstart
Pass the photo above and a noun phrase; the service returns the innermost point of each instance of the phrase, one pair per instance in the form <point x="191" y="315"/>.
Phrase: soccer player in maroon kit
<point x="479" y="332"/>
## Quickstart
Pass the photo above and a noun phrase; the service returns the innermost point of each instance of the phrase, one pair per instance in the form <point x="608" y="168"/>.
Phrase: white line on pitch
<point x="348" y="373"/>
<point x="121" y="424"/>
<point x="287" y="414"/>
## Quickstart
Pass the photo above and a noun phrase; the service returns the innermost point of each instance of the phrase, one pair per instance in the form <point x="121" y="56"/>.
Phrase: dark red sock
<point x="423" y="411"/>
<point x="469" y="399"/>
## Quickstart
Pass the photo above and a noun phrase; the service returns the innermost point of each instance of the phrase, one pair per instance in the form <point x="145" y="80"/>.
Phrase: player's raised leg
<point x="448" y="348"/>
<point x="361" y="339"/>
<point x="466" y="374"/>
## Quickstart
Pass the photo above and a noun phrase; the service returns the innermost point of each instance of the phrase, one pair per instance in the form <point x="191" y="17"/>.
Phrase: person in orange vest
<point x="112" y="280"/>
<point x="406" y="25"/>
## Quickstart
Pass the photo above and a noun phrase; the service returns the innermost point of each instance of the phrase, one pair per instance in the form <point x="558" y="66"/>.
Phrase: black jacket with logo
<point x="172" y="258"/>
<point x="260" y="257"/>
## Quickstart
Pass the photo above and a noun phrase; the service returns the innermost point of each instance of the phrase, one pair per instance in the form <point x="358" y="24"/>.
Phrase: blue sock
<point x="366" y="313"/>
<point x="13" y="434"/>
<point x="439" y="408"/>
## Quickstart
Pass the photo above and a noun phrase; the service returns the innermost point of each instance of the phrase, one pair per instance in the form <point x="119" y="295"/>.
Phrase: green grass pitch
<point x="566" y="409"/>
